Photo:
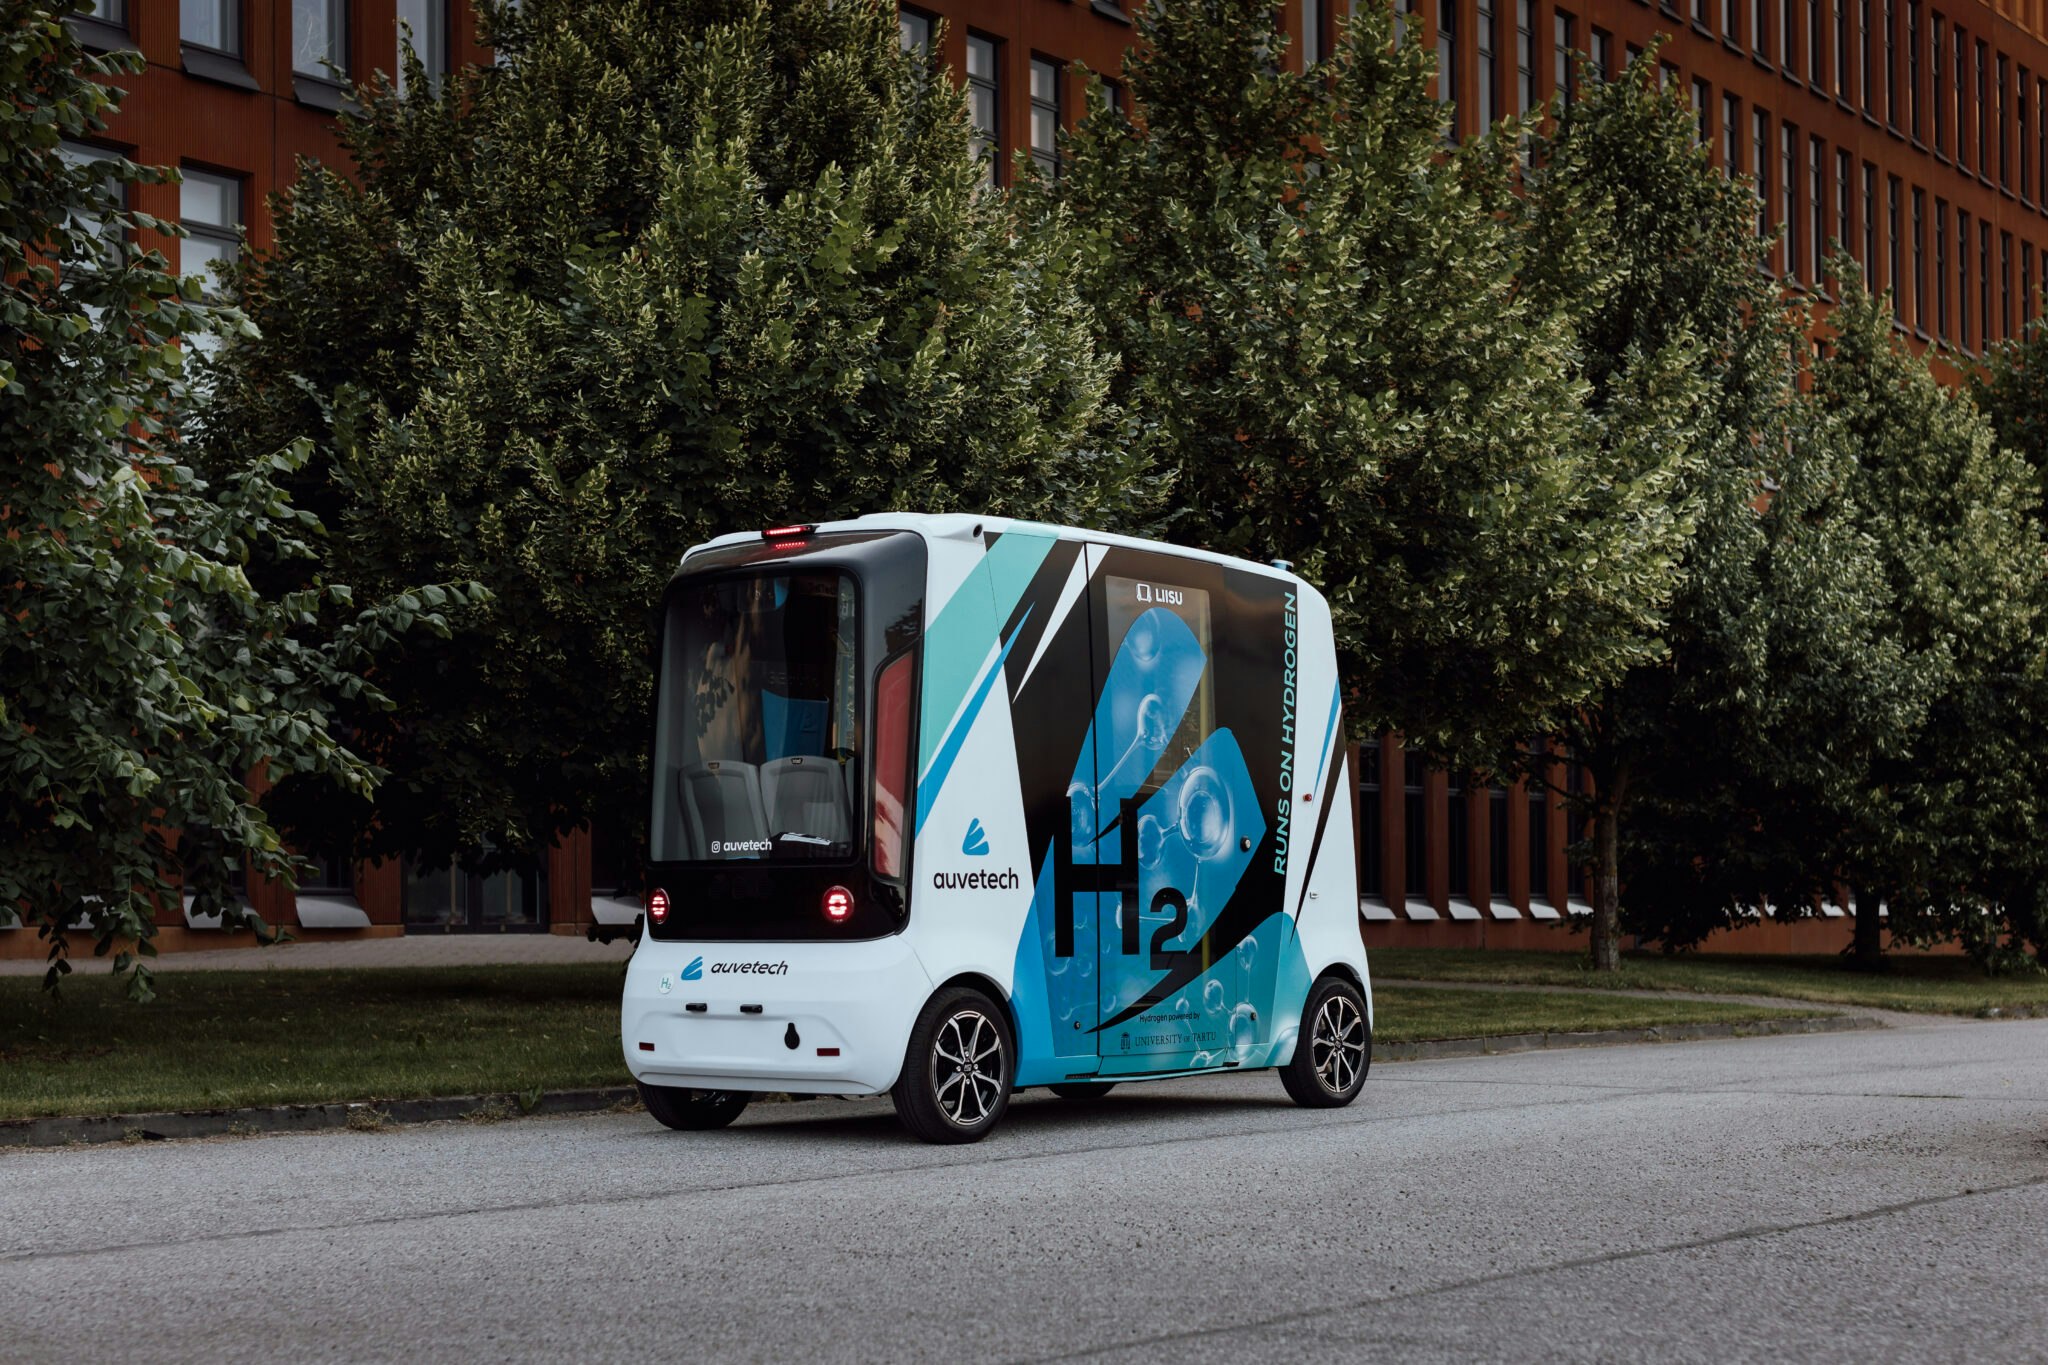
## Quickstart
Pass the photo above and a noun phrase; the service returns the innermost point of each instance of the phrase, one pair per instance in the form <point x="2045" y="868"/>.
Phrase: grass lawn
<point x="216" y="1040"/>
<point x="1415" y="1014"/>
<point x="1939" y="985"/>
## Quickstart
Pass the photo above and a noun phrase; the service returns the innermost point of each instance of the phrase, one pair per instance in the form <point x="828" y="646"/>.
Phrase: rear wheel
<point x="958" y="1068"/>
<point x="1082" y="1090"/>
<point x="692" y="1111"/>
<point x="1334" y="1050"/>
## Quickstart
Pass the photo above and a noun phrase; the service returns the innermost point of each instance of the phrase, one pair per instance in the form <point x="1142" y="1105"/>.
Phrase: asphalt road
<point x="1833" y="1197"/>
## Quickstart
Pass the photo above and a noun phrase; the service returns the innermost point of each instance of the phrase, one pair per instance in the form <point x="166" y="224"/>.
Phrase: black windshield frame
<point x="771" y="901"/>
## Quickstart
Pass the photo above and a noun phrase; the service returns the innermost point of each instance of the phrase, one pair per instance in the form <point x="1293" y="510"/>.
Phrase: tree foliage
<point x="666" y="270"/>
<point x="146" y="677"/>
<point x="1321" y="334"/>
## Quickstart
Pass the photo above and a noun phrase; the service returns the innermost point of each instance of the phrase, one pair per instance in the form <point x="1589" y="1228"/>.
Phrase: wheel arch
<point x="988" y="986"/>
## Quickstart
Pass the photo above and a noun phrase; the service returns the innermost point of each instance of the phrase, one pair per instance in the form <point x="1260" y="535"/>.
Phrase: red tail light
<point x="788" y="533"/>
<point x="838" y="905"/>
<point x="657" y="906"/>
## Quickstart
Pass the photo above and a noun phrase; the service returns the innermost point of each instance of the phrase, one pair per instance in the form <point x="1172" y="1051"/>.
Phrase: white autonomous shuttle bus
<point x="947" y="806"/>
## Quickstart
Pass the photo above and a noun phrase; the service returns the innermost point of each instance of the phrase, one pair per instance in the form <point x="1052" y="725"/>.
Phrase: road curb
<point x="1616" y="1037"/>
<point x="303" y="1118"/>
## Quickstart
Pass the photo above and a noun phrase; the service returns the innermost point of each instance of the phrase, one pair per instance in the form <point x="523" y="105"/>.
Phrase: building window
<point x="1447" y="55"/>
<point x="1565" y="34"/>
<point x="1941" y="270"/>
<point x="1489" y="46"/>
<point x="1313" y="17"/>
<point x="1841" y="71"/>
<point x="1702" y="110"/>
<point x="1731" y="135"/>
<point x="1756" y="27"/>
<point x="1919" y="259"/>
<point x="1817" y="201"/>
<point x="1842" y="173"/>
<point x="1458" y="832"/>
<point x="1963" y="277"/>
<point x="2026" y="283"/>
<point x="427" y="22"/>
<point x="2004" y="126"/>
<point x="1525" y="56"/>
<point x="1869" y="226"/>
<point x="1045" y="115"/>
<point x="1414" y="830"/>
<point x="1983" y="99"/>
<point x="1816" y="41"/>
<point x="914" y="30"/>
<point x="1983" y="285"/>
<point x="984" y="105"/>
<point x="1960" y="49"/>
<point x="1893" y="210"/>
<point x="1913" y="66"/>
<point x="1539" y="835"/>
<point x="1372" y="870"/>
<point x="113" y="194"/>
<point x="1891" y="66"/>
<point x="1786" y="26"/>
<point x="2005" y="284"/>
<point x="214" y="24"/>
<point x="1940" y="84"/>
<point x="1603" y="54"/>
<point x="1113" y="94"/>
<point x="1788" y="191"/>
<point x="113" y="12"/>
<point x="2041" y="139"/>
<point x="1760" y="167"/>
<point x="1497" y="843"/>
<point x="1868" y="86"/>
<point x="2026" y="128"/>
<point x="210" y="207"/>
<point x="319" y="37"/>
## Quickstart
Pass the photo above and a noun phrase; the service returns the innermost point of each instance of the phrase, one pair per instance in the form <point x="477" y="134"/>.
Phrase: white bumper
<point x="850" y="1006"/>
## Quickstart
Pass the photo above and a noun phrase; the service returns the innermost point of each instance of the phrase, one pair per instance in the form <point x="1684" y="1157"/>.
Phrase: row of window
<point x="1952" y="275"/>
<point x="985" y="90"/>
<point x="209" y="207"/>
<point x="320" y="32"/>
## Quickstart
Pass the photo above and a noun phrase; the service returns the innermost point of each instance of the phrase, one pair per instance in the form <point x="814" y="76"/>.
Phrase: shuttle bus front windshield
<point x="758" y="752"/>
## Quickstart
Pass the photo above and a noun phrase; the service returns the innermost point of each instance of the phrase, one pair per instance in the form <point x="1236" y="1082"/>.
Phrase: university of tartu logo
<point x="975" y="845"/>
<point x="693" y="972"/>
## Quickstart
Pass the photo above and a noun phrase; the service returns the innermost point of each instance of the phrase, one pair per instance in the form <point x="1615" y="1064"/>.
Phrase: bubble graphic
<point x="1247" y="952"/>
<point x="1151" y="840"/>
<point x="1205" y="819"/>
<point x="1244" y="1030"/>
<point x="1154" y="726"/>
<point x="1212" y="996"/>
<point x="1180" y="1006"/>
<point x="1081" y="812"/>
<point x="1143" y="641"/>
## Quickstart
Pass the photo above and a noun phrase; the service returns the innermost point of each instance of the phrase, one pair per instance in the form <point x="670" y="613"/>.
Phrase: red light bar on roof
<point x="788" y="532"/>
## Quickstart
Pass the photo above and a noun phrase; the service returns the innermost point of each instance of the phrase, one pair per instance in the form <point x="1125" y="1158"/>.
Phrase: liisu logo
<point x="975" y="845"/>
<point x="693" y="972"/>
<point x="1164" y="596"/>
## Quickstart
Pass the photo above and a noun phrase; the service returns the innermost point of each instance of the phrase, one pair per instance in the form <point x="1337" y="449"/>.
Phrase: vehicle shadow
<point x="1037" y="1112"/>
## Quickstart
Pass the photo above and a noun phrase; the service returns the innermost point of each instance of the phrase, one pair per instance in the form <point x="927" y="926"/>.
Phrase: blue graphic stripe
<point x="1328" y="730"/>
<point x="942" y="762"/>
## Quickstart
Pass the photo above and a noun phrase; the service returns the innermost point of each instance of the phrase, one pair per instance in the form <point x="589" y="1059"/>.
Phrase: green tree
<point x="1322" y="334"/>
<point x="145" y="676"/>
<point x="666" y="270"/>
<point x="1946" y="832"/>
<point x="1656" y="256"/>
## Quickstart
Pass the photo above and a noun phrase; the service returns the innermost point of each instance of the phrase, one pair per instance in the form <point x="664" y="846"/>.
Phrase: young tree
<point x="1655" y="255"/>
<point x="665" y="270"/>
<point x="1321" y="332"/>
<point x="145" y="677"/>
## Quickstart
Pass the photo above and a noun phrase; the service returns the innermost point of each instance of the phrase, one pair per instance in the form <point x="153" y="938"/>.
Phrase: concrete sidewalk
<point x="408" y="950"/>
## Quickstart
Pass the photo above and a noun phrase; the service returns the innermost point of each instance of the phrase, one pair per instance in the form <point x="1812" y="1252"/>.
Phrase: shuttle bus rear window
<point x="757" y="748"/>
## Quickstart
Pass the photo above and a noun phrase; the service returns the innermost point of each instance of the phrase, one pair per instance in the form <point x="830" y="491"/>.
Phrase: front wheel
<point x="957" y="1070"/>
<point x="692" y="1111"/>
<point x="1334" y="1050"/>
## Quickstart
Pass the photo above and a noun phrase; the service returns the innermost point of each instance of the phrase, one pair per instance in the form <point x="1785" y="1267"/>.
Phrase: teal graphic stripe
<point x="966" y="627"/>
<point x="942" y="763"/>
<point x="1328" y="730"/>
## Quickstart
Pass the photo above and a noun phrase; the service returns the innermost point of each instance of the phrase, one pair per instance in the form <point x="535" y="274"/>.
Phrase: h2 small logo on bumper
<point x="693" y="972"/>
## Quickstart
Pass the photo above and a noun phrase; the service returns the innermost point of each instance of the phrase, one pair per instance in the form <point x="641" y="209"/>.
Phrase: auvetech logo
<point x="693" y="972"/>
<point x="975" y="845"/>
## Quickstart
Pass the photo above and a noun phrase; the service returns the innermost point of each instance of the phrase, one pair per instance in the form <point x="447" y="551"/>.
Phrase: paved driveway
<point x="1836" y="1197"/>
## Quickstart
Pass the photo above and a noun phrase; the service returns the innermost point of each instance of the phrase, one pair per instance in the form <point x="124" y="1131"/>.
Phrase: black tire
<point x="1082" y="1090"/>
<point x="1333" y="1052"/>
<point x="692" y="1111"/>
<point x="958" y="1069"/>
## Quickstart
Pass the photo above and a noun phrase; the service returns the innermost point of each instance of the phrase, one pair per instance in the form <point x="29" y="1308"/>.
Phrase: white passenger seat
<point x="723" y="803"/>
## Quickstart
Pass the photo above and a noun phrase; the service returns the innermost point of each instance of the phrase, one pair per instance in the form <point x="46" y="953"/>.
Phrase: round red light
<point x="657" y="906"/>
<point x="838" y="905"/>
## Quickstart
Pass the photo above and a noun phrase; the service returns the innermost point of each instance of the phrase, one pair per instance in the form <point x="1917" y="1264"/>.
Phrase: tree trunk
<point x="1607" y="885"/>
<point x="1867" y="947"/>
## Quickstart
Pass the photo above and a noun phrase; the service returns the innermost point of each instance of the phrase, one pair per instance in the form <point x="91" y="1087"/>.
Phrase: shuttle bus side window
<point x="892" y="765"/>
